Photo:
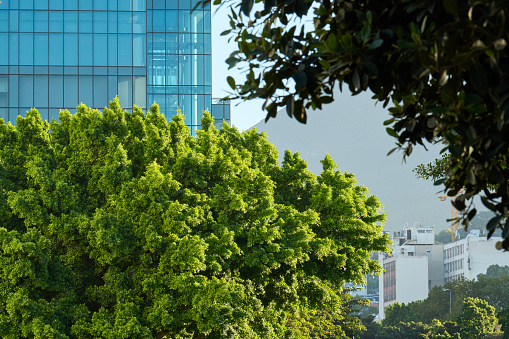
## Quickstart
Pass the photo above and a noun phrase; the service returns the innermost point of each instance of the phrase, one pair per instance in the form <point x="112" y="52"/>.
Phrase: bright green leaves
<point x="121" y="225"/>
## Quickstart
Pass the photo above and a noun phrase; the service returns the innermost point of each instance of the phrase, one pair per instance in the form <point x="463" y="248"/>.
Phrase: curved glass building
<point x="59" y="53"/>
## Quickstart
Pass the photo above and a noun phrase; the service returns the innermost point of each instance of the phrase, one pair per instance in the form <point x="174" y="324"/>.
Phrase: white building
<point x="471" y="256"/>
<point x="415" y="266"/>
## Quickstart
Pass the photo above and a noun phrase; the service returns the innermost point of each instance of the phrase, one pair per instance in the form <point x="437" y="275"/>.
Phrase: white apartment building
<point x="414" y="266"/>
<point x="417" y="264"/>
<point x="471" y="256"/>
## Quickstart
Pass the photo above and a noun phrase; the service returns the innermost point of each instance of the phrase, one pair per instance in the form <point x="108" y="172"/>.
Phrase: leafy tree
<point x="122" y="225"/>
<point x="373" y="282"/>
<point x="477" y="318"/>
<point x="403" y="330"/>
<point x="397" y="313"/>
<point x="442" y="65"/>
<point x="503" y="319"/>
<point x="496" y="271"/>
<point x="443" y="237"/>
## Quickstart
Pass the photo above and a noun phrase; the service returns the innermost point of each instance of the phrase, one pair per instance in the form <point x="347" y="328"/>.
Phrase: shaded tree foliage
<point x="442" y="65"/>
<point x="122" y="225"/>
<point x="477" y="318"/>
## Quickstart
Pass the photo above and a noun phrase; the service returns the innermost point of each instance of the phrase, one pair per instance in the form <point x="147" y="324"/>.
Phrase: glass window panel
<point x="26" y="21"/>
<point x="13" y="21"/>
<point x="125" y="24"/>
<point x="56" y="21"/>
<point x="185" y="70"/>
<point x="171" y="104"/>
<point x="56" y="4"/>
<point x="172" y="67"/>
<point x="26" y="4"/>
<point x="41" y="4"/>
<point x="70" y="91"/>
<point x="4" y="90"/>
<point x="158" y="43"/>
<point x="186" y="107"/>
<point x="112" y="50"/>
<point x="13" y="90"/>
<point x="112" y="87"/>
<point x="100" y="50"/>
<point x="41" y="21"/>
<point x="14" y="4"/>
<point x="71" y="49"/>
<point x="4" y="41"/>
<point x="100" y="22"/>
<point x="184" y="4"/>
<point x="53" y="113"/>
<point x="100" y="5"/>
<point x="149" y="21"/>
<point x="158" y="21"/>
<point x="4" y="21"/>
<point x="70" y="21"/>
<point x="26" y="48"/>
<point x="85" y="21"/>
<point x="40" y="91"/>
<point x="85" y="54"/>
<point x="172" y="21"/>
<point x="139" y="5"/>
<point x="40" y="48"/>
<point x="125" y="90"/>
<point x="71" y="5"/>
<point x="43" y="112"/>
<point x="140" y="91"/>
<point x="26" y="94"/>
<point x="150" y="71"/>
<point x="172" y="43"/>
<point x="139" y="52"/>
<point x="112" y="5"/>
<point x="207" y="48"/>
<point x="197" y="21"/>
<point x="125" y="5"/>
<point x="158" y="4"/>
<point x="112" y="22"/>
<point x="100" y="91"/>
<point x="125" y="49"/>
<point x="184" y="21"/>
<point x="13" y="49"/>
<point x="172" y="4"/>
<point x="217" y="112"/>
<point x="196" y="43"/>
<point x="185" y="44"/>
<point x="160" y="100"/>
<point x="86" y="94"/>
<point x="85" y="5"/>
<point x="207" y="71"/>
<point x="56" y="49"/>
<point x="4" y="114"/>
<point x="138" y="22"/>
<point x="158" y="70"/>
<point x="206" y="22"/>
<point x="56" y="91"/>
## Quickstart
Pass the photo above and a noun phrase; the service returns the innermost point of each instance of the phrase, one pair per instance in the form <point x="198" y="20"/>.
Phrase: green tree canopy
<point x="397" y="313"/>
<point x="442" y="65"/>
<point x="477" y="318"/>
<point x="122" y="225"/>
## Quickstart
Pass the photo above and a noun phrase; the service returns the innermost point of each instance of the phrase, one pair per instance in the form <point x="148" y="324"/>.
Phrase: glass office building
<point x="59" y="53"/>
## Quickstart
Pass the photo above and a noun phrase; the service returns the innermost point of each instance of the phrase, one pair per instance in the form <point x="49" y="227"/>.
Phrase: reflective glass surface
<point x="64" y="52"/>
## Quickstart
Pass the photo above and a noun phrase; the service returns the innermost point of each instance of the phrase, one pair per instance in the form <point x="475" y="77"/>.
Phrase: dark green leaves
<point x="440" y="65"/>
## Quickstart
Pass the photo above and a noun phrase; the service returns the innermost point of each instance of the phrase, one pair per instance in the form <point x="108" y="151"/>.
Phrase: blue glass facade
<point x="64" y="52"/>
